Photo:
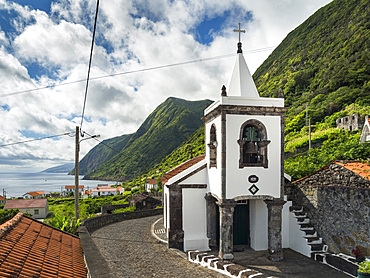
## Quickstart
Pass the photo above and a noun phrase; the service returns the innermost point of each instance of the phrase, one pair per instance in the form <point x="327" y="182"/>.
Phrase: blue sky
<point x="47" y="43"/>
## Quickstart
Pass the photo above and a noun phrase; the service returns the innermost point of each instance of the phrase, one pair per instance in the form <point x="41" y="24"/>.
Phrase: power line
<point x="101" y="142"/>
<point x="37" y="139"/>
<point x="135" y="71"/>
<point x="89" y="68"/>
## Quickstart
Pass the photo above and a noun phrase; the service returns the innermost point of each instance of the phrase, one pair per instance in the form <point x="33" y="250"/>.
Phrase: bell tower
<point x="244" y="136"/>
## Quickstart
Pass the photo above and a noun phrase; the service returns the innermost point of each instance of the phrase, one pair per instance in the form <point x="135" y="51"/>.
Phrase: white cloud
<point x="131" y="35"/>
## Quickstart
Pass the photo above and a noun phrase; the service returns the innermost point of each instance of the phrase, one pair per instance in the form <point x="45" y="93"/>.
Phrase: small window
<point x="212" y="147"/>
<point x="253" y="145"/>
<point x="36" y="212"/>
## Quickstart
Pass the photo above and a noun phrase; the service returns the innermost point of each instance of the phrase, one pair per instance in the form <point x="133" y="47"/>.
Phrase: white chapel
<point x="232" y="195"/>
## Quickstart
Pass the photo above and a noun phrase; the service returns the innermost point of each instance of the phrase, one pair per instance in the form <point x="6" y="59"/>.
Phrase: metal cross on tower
<point x="239" y="31"/>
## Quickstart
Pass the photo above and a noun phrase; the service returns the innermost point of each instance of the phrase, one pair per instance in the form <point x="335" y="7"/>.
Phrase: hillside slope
<point x="325" y="63"/>
<point x="170" y="124"/>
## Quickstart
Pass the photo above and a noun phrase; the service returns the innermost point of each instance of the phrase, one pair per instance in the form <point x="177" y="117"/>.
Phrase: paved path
<point x="131" y="251"/>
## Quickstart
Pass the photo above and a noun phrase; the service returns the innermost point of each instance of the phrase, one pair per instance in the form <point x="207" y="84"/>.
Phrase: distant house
<point x="352" y="122"/>
<point x="71" y="189"/>
<point x="106" y="191"/>
<point x="85" y="194"/>
<point x="143" y="201"/>
<point x="38" y="208"/>
<point x="2" y="200"/>
<point x="30" y="248"/>
<point x="34" y="195"/>
<point x="365" y="136"/>
<point x="151" y="184"/>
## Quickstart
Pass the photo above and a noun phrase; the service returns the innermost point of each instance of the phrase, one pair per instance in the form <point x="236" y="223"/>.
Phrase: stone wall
<point x="94" y="223"/>
<point x="338" y="203"/>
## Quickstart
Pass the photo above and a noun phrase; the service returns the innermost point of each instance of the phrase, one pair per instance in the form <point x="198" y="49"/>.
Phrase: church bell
<point x="250" y="148"/>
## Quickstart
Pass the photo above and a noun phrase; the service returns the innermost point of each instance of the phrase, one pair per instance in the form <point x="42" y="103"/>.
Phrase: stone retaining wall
<point x="337" y="201"/>
<point x="94" y="223"/>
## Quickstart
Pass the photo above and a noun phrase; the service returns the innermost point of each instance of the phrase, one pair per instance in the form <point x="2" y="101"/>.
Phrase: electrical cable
<point x="135" y="71"/>
<point x="37" y="139"/>
<point x="102" y="142"/>
<point x="89" y="68"/>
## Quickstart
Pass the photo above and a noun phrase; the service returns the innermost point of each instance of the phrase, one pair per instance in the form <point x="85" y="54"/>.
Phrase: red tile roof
<point x="359" y="168"/>
<point x="25" y="203"/>
<point x="73" y="187"/>
<point x="35" y="193"/>
<point x="2" y="198"/>
<point x="182" y="167"/>
<point x="29" y="248"/>
<point x="151" y="181"/>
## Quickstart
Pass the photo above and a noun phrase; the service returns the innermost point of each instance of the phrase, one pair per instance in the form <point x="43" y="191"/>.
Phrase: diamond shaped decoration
<point x="253" y="189"/>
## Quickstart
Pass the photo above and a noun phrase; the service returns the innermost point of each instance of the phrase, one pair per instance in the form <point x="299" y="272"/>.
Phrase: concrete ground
<point x="130" y="250"/>
<point x="294" y="265"/>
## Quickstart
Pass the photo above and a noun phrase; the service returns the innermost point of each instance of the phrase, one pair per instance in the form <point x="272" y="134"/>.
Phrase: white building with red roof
<point x="106" y="191"/>
<point x="34" y="194"/>
<point x="71" y="189"/>
<point x="38" y="208"/>
<point x="233" y="195"/>
<point x="2" y="200"/>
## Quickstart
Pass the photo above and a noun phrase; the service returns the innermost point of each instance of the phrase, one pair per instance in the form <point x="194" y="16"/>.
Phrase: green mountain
<point x="324" y="62"/>
<point x="101" y="153"/>
<point x="65" y="168"/>
<point x="169" y="125"/>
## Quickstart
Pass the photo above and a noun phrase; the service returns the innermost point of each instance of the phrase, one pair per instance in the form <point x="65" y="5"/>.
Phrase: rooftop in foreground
<point x="29" y="248"/>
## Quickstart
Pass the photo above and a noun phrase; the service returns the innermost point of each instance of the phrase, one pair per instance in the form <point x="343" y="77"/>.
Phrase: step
<point x="298" y="210"/>
<point x="307" y="229"/>
<point x="317" y="241"/>
<point x="316" y="246"/>
<point x="311" y="236"/>
<point x="301" y="216"/>
<point x="304" y="221"/>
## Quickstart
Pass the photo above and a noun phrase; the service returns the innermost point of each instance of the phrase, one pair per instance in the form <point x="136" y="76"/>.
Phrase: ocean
<point x="17" y="184"/>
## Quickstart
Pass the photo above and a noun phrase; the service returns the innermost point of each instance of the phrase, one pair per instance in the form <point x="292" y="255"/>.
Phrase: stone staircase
<point x="316" y="247"/>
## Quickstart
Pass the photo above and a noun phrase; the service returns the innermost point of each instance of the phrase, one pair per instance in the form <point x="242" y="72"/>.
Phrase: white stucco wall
<point x="166" y="208"/>
<point x="258" y="224"/>
<point x="214" y="173"/>
<point x="200" y="177"/>
<point x="269" y="178"/>
<point x="285" y="224"/>
<point x="194" y="219"/>
<point x="297" y="242"/>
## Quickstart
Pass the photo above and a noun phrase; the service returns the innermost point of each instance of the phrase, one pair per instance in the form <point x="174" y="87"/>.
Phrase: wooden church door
<point x="241" y="224"/>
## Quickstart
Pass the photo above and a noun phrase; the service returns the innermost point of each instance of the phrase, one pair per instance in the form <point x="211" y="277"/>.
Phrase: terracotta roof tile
<point x="25" y="203"/>
<point x="359" y="168"/>
<point x="35" y="193"/>
<point x="73" y="187"/>
<point x="30" y="248"/>
<point x="182" y="167"/>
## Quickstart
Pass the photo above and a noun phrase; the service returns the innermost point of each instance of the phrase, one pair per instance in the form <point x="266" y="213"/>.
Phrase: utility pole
<point x="306" y="114"/>
<point x="77" y="205"/>
<point x="309" y="134"/>
<point x="140" y="179"/>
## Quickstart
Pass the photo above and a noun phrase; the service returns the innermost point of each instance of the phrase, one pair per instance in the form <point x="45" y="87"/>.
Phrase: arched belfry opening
<point x="212" y="147"/>
<point x="253" y="145"/>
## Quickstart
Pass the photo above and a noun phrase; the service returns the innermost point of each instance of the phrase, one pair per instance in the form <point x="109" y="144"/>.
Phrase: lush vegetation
<point x="165" y="129"/>
<point x="7" y="214"/>
<point x="324" y="63"/>
<point x="67" y="224"/>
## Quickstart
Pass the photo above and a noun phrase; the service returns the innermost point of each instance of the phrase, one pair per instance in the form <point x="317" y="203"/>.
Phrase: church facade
<point x="233" y="195"/>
